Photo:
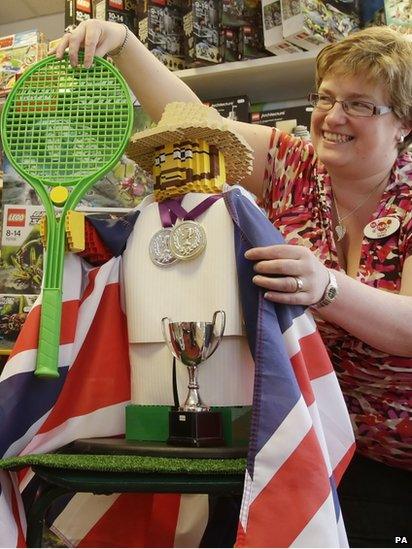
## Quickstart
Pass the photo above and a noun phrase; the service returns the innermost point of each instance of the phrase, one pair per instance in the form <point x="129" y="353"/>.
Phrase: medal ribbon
<point x="171" y="209"/>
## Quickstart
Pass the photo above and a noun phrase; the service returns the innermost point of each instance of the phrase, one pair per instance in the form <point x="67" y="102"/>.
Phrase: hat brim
<point x="236" y="151"/>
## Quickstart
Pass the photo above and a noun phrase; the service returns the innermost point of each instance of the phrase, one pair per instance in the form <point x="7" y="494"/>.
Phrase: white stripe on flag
<point x="314" y="413"/>
<point x="334" y="417"/>
<point x="321" y="530"/>
<point x="246" y="500"/>
<point x="302" y="326"/>
<point x="192" y="520"/>
<point x="80" y="515"/>
<point x="280" y="446"/>
<point x="105" y="422"/>
<point x="19" y="444"/>
<point x="8" y="530"/>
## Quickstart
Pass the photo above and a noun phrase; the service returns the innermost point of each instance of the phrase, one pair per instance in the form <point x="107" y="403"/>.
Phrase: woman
<point x="344" y="206"/>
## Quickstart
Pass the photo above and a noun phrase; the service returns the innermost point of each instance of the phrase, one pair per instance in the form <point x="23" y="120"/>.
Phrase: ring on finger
<point x="299" y="284"/>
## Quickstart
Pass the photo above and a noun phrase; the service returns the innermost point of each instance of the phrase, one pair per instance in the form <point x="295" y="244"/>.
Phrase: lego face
<point x="188" y="166"/>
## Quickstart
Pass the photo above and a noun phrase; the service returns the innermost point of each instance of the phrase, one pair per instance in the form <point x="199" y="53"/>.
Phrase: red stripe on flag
<point x="91" y="277"/>
<point x="299" y="366"/>
<point x="136" y="520"/>
<point x="340" y="468"/>
<point x="28" y="337"/>
<point x="21" y="542"/>
<point x="317" y="360"/>
<point x="90" y="383"/>
<point x="290" y="499"/>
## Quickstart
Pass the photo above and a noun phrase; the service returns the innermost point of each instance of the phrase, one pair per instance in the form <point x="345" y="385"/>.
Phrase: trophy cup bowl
<point x="192" y="343"/>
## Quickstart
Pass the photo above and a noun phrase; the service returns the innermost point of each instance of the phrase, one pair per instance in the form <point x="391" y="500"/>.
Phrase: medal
<point x="159" y="248"/>
<point x="187" y="240"/>
<point x="381" y="227"/>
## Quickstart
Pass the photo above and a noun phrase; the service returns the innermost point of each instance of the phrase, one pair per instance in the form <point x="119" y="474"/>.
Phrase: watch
<point x="330" y="293"/>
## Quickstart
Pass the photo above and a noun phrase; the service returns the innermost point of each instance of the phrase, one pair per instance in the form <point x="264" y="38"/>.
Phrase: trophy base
<point x="195" y="429"/>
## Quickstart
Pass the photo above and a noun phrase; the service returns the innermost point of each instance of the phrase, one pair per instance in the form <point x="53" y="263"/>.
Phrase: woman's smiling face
<point x="352" y="145"/>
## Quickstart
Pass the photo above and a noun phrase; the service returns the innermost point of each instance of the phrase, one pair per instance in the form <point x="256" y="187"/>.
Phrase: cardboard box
<point x="311" y="23"/>
<point x="203" y="32"/>
<point x="160" y="29"/>
<point x="285" y="119"/>
<point x="17" y="52"/>
<point x="231" y="50"/>
<point x="117" y="11"/>
<point x="77" y="11"/>
<point x="234" y="108"/>
<point x="273" y="29"/>
<point x="399" y="14"/>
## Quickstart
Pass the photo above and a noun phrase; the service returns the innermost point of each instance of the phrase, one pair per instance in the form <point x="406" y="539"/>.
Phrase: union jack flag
<point x="300" y="443"/>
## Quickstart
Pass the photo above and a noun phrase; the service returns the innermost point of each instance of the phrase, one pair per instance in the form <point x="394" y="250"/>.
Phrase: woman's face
<point x="354" y="146"/>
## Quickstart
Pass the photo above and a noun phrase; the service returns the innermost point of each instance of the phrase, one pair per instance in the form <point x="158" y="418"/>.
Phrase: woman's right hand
<point x="95" y="36"/>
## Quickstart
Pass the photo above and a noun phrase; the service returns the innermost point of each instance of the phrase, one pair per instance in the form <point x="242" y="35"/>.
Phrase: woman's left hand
<point x="291" y="274"/>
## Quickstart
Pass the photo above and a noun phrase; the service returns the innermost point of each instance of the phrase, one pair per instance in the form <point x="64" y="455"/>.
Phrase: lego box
<point x="285" y="119"/>
<point x="399" y="14"/>
<point x="18" y="51"/>
<point x="273" y="30"/>
<point x="234" y="108"/>
<point x="160" y="29"/>
<point x="13" y="313"/>
<point x="118" y="11"/>
<point x="204" y="38"/>
<point x="311" y="23"/>
<point x="77" y="11"/>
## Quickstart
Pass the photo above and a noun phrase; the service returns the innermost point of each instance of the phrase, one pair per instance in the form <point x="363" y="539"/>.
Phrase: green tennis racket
<point x="63" y="128"/>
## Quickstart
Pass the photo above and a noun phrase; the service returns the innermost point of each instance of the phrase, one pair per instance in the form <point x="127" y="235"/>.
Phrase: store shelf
<point x="280" y="78"/>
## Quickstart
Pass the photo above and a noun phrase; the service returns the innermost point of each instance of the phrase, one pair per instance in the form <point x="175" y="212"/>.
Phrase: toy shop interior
<point x="252" y="60"/>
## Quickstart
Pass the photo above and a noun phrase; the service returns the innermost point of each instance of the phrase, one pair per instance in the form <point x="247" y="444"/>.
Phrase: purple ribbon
<point x="171" y="209"/>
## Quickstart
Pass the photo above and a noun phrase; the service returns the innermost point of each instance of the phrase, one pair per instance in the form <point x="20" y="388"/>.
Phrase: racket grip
<point x="47" y="364"/>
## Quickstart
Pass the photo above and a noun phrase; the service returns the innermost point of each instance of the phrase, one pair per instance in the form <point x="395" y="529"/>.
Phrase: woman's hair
<point x="382" y="56"/>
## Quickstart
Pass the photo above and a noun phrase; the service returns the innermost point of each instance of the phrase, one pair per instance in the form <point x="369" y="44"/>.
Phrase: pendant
<point x="340" y="231"/>
<point x="381" y="227"/>
<point x="187" y="240"/>
<point x="159" y="248"/>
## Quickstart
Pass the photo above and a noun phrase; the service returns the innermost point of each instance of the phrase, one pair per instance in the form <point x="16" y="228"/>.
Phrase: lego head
<point x="188" y="166"/>
<point x="214" y="151"/>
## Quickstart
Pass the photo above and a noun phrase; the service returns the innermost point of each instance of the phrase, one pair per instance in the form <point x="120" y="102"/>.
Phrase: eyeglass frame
<point x="377" y="110"/>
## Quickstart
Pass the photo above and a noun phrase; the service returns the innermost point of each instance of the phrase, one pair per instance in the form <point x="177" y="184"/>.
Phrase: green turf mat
<point x="137" y="464"/>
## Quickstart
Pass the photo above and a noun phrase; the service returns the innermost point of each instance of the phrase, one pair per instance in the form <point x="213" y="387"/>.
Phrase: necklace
<point x="340" y="228"/>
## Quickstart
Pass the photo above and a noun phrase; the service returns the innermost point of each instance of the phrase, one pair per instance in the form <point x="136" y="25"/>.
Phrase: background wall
<point x="51" y="25"/>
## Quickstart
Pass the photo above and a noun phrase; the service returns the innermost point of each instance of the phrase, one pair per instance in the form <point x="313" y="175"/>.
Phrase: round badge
<point x="381" y="227"/>
<point x="187" y="240"/>
<point x="159" y="248"/>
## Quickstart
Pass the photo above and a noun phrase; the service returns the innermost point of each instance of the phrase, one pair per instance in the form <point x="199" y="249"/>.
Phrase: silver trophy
<point x="193" y="424"/>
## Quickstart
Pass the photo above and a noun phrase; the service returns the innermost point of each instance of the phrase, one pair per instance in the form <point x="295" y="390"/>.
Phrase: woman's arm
<point x="153" y="83"/>
<point x="381" y="319"/>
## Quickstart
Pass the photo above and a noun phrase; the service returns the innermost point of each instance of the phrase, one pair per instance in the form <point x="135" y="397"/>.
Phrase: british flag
<point x="300" y="442"/>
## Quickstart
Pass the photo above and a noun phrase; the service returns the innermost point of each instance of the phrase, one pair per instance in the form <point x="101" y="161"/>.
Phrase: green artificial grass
<point x="128" y="463"/>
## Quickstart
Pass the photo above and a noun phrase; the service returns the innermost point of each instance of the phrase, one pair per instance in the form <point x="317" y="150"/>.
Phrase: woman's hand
<point x="95" y="36"/>
<point x="291" y="274"/>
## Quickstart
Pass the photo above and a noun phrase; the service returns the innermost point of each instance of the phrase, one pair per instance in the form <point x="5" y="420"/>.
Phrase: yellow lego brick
<point x="43" y="230"/>
<point x="74" y="225"/>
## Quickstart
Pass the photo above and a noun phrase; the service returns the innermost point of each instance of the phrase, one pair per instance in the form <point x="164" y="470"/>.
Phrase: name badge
<point x="381" y="227"/>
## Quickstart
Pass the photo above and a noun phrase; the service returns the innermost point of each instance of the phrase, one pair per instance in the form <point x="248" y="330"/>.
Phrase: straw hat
<point x="182" y="121"/>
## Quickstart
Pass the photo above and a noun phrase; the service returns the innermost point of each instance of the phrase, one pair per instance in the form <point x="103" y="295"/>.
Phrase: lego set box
<point x="13" y="312"/>
<point x="312" y="23"/>
<point x="160" y="29"/>
<point x="18" y="51"/>
<point x="399" y="14"/>
<point x="234" y="108"/>
<point x="118" y="11"/>
<point x="285" y="119"/>
<point x="77" y="11"/>
<point x="203" y="33"/>
<point x="243" y="30"/>
<point x="273" y="29"/>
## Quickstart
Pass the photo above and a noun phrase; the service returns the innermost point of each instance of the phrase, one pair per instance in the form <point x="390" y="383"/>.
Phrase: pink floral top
<point x="376" y="386"/>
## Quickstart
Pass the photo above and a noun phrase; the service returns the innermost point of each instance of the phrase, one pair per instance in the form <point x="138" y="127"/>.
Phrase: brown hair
<point x="383" y="56"/>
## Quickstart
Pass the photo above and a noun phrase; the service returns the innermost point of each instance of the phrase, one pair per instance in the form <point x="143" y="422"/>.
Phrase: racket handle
<point x="47" y="364"/>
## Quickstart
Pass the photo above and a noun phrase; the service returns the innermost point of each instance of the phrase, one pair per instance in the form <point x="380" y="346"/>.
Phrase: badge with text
<point x="381" y="227"/>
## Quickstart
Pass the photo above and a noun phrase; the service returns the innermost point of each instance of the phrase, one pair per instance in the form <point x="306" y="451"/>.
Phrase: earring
<point x="401" y="139"/>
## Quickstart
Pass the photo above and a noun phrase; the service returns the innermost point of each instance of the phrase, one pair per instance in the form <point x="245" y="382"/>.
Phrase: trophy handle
<point x="165" y="332"/>
<point x="222" y="317"/>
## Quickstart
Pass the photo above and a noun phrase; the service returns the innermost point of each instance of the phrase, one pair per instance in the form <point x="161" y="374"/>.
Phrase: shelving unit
<point x="282" y="78"/>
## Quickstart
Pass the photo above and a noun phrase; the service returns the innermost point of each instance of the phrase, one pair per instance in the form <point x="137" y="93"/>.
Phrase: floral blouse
<point x="376" y="385"/>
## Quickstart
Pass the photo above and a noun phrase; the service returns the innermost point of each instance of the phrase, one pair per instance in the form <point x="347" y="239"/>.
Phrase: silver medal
<point x="159" y="248"/>
<point x="187" y="240"/>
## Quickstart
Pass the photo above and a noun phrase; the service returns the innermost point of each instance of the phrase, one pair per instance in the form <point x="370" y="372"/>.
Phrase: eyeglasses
<point x="353" y="108"/>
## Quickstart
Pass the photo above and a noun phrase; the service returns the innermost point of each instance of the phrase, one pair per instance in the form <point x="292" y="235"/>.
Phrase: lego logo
<point x="16" y="217"/>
